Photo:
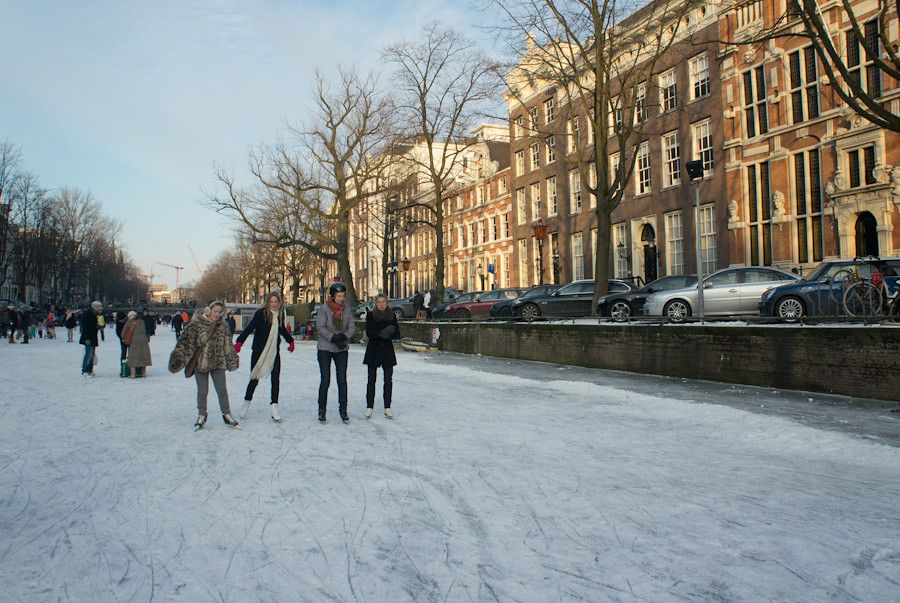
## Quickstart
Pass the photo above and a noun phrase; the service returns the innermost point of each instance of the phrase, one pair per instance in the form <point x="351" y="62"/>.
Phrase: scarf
<point x="386" y="315"/>
<point x="266" y="360"/>
<point x="338" y="317"/>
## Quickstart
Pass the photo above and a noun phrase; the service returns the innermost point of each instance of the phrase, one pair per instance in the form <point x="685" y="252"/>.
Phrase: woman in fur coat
<point x="206" y="338"/>
<point x="381" y="330"/>
<point x="267" y="326"/>
<point x="135" y="337"/>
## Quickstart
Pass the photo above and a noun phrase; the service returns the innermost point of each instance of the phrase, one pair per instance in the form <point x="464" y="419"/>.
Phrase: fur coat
<point x="213" y="337"/>
<point x="139" y="350"/>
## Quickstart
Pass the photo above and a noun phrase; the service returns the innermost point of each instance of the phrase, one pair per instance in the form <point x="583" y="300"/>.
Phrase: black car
<point x="573" y="300"/>
<point x="504" y="309"/>
<point x="623" y="305"/>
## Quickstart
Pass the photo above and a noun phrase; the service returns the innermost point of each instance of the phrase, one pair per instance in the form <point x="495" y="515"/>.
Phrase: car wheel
<point x="529" y="312"/>
<point x="398" y="313"/>
<point x="464" y="314"/>
<point x="677" y="310"/>
<point x="620" y="310"/>
<point x="505" y="312"/>
<point x="790" y="308"/>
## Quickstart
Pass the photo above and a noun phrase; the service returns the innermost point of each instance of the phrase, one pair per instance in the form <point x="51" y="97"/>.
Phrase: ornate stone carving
<point x="733" y="212"/>
<point x="778" y="201"/>
<point x="750" y="55"/>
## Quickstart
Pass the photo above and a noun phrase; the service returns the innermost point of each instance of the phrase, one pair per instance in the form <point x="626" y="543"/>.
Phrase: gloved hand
<point x="387" y="332"/>
<point x="238" y="346"/>
<point x="341" y="344"/>
<point x="338" y="339"/>
<point x="291" y="347"/>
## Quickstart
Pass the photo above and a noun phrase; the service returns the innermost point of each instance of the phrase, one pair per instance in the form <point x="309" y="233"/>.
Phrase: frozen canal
<point x="498" y="480"/>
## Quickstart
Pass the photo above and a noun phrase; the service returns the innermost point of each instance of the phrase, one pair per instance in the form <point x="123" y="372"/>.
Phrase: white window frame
<point x="670" y="159"/>
<point x="521" y="207"/>
<point x="674" y="243"/>
<point x="520" y="162"/>
<point x="668" y="91"/>
<point x="698" y="67"/>
<point x="535" y="156"/>
<point x="577" y="246"/>
<point x="643" y="180"/>
<point x="549" y="113"/>
<point x="551" y="149"/>
<point x="702" y="149"/>
<point x="708" y="253"/>
<point x="535" y="191"/>
<point x="572" y="135"/>
<point x="576" y="202"/>
<point x="552" y="196"/>
<point x="620" y="266"/>
<point x="640" y="103"/>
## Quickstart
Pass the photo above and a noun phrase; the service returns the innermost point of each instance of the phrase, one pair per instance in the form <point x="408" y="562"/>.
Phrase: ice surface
<point x="498" y="480"/>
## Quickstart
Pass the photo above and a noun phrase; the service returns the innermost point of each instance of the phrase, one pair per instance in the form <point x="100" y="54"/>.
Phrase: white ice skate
<point x="244" y="408"/>
<point x="389" y="413"/>
<point x="275" y="416"/>
<point x="368" y="413"/>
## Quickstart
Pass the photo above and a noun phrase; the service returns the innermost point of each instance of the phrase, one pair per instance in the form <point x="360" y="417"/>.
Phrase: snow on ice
<point x="498" y="480"/>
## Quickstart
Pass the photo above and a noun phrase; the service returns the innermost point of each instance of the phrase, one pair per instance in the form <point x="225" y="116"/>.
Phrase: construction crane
<point x="150" y="277"/>
<point x="178" y="270"/>
<point x="196" y="263"/>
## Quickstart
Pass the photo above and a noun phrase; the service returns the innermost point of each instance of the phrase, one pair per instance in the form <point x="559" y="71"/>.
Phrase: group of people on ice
<point x="204" y="351"/>
<point x="133" y="330"/>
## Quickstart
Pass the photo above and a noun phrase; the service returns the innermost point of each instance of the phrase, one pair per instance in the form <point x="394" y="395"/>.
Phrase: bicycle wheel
<point x="862" y="299"/>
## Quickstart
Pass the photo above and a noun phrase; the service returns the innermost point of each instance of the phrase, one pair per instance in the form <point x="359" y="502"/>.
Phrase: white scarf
<point x="266" y="361"/>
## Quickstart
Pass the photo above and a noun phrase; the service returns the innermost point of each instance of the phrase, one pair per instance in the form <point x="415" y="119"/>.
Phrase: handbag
<point x="191" y="367"/>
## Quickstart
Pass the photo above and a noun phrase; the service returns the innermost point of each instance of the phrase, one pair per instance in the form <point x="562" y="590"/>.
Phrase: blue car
<point x="822" y="293"/>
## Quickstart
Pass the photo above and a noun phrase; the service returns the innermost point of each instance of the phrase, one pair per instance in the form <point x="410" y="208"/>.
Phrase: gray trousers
<point x="218" y="379"/>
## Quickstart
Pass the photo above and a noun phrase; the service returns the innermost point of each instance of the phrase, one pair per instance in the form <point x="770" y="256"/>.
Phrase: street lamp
<point x="480" y="271"/>
<point x="695" y="172"/>
<point x="404" y="266"/>
<point x="540" y="233"/>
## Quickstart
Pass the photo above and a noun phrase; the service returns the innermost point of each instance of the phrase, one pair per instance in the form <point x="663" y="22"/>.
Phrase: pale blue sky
<point x="136" y="101"/>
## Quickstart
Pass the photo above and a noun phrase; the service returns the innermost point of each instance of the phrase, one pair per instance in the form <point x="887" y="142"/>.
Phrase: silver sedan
<point x="728" y="292"/>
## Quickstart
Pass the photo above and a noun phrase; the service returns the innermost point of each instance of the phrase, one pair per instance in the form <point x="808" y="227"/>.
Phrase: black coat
<point x="380" y="352"/>
<point x="71" y="322"/>
<point x="259" y="326"/>
<point x="149" y="325"/>
<point x="89" y="327"/>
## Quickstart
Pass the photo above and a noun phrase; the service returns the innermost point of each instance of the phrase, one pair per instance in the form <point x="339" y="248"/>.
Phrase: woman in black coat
<point x="381" y="330"/>
<point x="267" y="326"/>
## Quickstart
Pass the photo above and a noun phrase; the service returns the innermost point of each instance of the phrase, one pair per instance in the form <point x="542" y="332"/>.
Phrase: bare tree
<point x="79" y="220"/>
<point x="10" y="158"/>
<point x="441" y="83"/>
<point x="305" y="195"/>
<point x="597" y="53"/>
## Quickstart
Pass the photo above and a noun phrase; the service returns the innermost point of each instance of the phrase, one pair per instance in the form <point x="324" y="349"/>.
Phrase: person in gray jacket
<point x="336" y="325"/>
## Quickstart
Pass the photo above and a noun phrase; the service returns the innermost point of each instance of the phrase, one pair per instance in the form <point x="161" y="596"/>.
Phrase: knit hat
<point x="96" y="304"/>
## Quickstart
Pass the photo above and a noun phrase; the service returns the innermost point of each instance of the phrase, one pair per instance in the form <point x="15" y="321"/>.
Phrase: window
<point x="519" y="127"/>
<point x="640" y="103"/>
<point x="708" y="257"/>
<point x="670" y="153"/>
<point x="863" y="70"/>
<point x="577" y="256"/>
<point x="534" y="119"/>
<point x="748" y="13"/>
<point x="703" y="145"/>
<point x="668" y="99"/>
<point x="616" y="120"/>
<point x="757" y="121"/>
<point x="592" y="182"/>
<point x="808" y="200"/>
<point x="549" y="110"/>
<point x="551" y="149"/>
<point x="574" y="192"/>
<point x="520" y="163"/>
<point x="479" y="195"/>
<point x="590" y="126"/>
<point x="554" y="255"/>
<point x="495" y="228"/>
<point x="699" y="70"/>
<point x="620" y="249"/>
<point x="506" y="222"/>
<point x="674" y="244"/>
<point x="643" y="169"/>
<point x="535" y="156"/>
<point x="461" y="236"/>
<point x="520" y="206"/>
<point x="480" y="233"/>
<point x="804" y="85"/>
<point x="507" y="257"/>
<point x="502" y="185"/>
<point x="472" y="232"/>
<point x="728" y="277"/>
<point x="862" y="173"/>
<point x="759" y="215"/>
<point x="524" y="277"/>
<point x="535" y="200"/>
<point x="614" y="161"/>
<point x="572" y="130"/>
<point x="552" y="198"/>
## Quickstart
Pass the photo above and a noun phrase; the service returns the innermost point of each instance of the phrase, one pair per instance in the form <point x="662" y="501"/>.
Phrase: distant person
<point x="134" y="335"/>
<point x="267" y="328"/>
<point x="381" y="330"/>
<point x="177" y="325"/>
<point x="149" y="323"/>
<point x="70" y="323"/>
<point x="204" y="350"/>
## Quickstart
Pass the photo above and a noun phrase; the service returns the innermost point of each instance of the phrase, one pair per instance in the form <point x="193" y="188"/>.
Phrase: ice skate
<point x="201" y="421"/>
<point x="244" y="408"/>
<point x="275" y="416"/>
<point x="389" y="413"/>
<point x="230" y="421"/>
<point x="368" y="413"/>
<point x="345" y="417"/>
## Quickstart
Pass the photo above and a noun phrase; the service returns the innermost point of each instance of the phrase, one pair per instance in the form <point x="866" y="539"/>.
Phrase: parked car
<point x="822" y="292"/>
<point x="625" y="304"/>
<point x="439" y="311"/>
<point x="504" y="308"/>
<point x="728" y="292"/>
<point x="364" y="307"/>
<point x="573" y="300"/>
<point x="480" y="306"/>
<point x="404" y="307"/>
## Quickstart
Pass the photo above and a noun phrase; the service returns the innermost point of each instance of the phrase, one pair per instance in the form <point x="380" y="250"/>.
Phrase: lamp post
<point x="695" y="172"/>
<point x="404" y="266"/>
<point x="540" y="233"/>
<point x="480" y="271"/>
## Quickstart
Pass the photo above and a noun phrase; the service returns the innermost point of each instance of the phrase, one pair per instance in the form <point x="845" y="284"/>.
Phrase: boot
<point x="244" y="408"/>
<point x="275" y="416"/>
<point x="124" y="371"/>
<point x="368" y="413"/>
<point x="344" y="416"/>
<point x="201" y="421"/>
<point x="321" y="414"/>
<point x="389" y="413"/>
<point x="230" y="420"/>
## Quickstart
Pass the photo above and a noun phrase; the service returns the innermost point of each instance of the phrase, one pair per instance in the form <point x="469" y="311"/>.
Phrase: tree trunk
<point x="601" y="253"/>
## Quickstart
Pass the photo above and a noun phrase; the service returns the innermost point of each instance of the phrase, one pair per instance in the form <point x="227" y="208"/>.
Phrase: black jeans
<point x="340" y="365"/>
<point x="124" y="351"/>
<point x="276" y="376"/>
<point x="388" y="385"/>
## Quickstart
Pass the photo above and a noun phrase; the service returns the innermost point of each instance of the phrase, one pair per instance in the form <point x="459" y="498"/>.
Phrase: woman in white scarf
<point x="268" y="328"/>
